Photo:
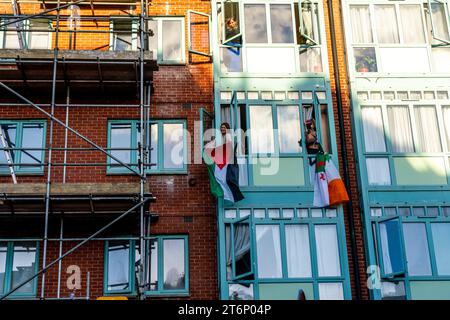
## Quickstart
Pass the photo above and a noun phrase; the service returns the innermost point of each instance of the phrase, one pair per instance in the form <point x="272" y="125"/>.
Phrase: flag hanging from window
<point x="329" y="189"/>
<point x="223" y="172"/>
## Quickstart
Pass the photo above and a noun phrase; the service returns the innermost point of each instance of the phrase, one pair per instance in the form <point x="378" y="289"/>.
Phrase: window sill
<point x="124" y="173"/>
<point x="172" y="63"/>
<point x="22" y="173"/>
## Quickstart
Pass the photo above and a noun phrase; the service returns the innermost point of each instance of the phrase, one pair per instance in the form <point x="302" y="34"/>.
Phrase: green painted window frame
<point x="297" y="46"/>
<point x="427" y="220"/>
<point x="316" y="103"/>
<point x="311" y="222"/>
<point x="134" y="153"/>
<point x="25" y="34"/>
<point x="8" y="270"/>
<point x="376" y="45"/>
<point x="132" y="258"/>
<point x="19" y="139"/>
<point x="389" y="154"/>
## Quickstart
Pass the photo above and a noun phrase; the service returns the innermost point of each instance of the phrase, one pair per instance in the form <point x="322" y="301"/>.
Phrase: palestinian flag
<point x="223" y="172"/>
<point x="329" y="189"/>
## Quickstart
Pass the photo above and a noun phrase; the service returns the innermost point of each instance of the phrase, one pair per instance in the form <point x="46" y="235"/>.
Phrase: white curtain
<point x="310" y="59"/>
<point x="386" y="24"/>
<point x="268" y="251"/>
<point x="440" y="58"/>
<point x="361" y="27"/>
<point x="297" y="251"/>
<point x="446" y="117"/>
<point x="40" y="39"/>
<point x="331" y="291"/>
<point x="118" y="267"/>
<point x="412" y="24"/>
<point x="384" y="239"/>
<point x="400" y="129"/>
<point x="261" y="129"/>
<point x="289" y="129"/>
<point x="327" y="250"/>
<point x="373" y="129"/>
<point x="378" y="173"/>
<point x="427" y="129"/>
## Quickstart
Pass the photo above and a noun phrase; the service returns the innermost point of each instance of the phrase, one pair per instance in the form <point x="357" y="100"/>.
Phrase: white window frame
<point x="159" y="21"/>
<point x="26" y="35"/>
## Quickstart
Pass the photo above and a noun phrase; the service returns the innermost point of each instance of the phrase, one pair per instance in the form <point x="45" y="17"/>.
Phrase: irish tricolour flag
<point x="223" y="172"/>
<point x="329" y="190"/>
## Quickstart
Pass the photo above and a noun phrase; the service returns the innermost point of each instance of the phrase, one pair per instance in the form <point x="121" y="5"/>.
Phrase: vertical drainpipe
<point x="351" y="221"/>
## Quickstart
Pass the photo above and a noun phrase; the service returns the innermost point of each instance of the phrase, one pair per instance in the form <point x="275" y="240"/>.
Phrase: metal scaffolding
<point x="143" y="151"/>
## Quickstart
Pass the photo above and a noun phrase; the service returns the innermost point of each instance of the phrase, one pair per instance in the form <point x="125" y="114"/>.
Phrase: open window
<point x="438" y="17"/>
<point x="239" y="250"/>
<point x="199" y="23"/>
<point x="309" y="23"/>
<point x="391" y="252"/>
<point x="230" y="32"/>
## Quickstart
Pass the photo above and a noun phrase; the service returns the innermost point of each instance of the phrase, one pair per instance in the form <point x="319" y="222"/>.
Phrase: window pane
<point x="11" y="38"/>
<point x="400" y="129"/>
<point x="153" y="265"/>
<point x="153" y="146"/>
<point x="393" y="291"/>
<point x="416" y="246"/>
<point x="310" y="19"/>
<point x="231" y="60"/>
<point x="261" y="129"/>
<point x="255" y="23"/>
<point x="39" y="39"/>
<point x="297" y="251"/>
<point x="232" y="23"/>
<point x="24" y="262"/>
<point x="361" y="27"/>
<point x="365" y="60"/>
<point x="327" y="248"/>
<point x="446" y="119"/>
<point x="386" y="24"/>
<point x="391" y="247"/>
<point x="118" y="266"/>
<point x="9" y="134"/>
<point x="440" y="58"/>
<point x="32" y="137"/>
<point x="331" y="291"/>
<point x="238" y="291"/>
<point x="325" y="128"/>
<point x="441" y="243"/>
<point x="174" y="269"/>
<point x="373" y="129"/>
<point x="173" y="145"/>
<point x="268" y="251"/>
<point x="289" y="129"/>
<point x="281" y="23"/>
<point x="440" y="21"/>
<point x="121" y="138"/>
<point x="378" y="173"/>
<point x="310" y="59"/>
<point x="242" y="254"/>
<point x="153" y="40"/>
<point x="172" y="40"/>
<point x="412" y="24"/>
<point x="428" y="136"/>
<point x="122" y="35"/>
<point x="3" y="252"/>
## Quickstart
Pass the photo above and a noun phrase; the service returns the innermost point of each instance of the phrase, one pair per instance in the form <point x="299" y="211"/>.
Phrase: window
<point x="298" y="251"/>
<point x="167" y="145"/>
<point x="18" y="262"/>
<point x="386" y="22"/>
<point x="327" y="247"/>
<point x="255" y="23"/>
<point x="441" y="242"/>
<point x="281" y="23"/>
<point x="39" y="38"/>
<point x="268" y="251"/>
<point x="289" y="129"/>
<point x="32" y="34"/>
<point x="416" y="247"/>
<point x="29" y="135"/>
<point x="167" y="264"/>
<point x="167" y="42"/>
<point x="124" y="35"/>
<point x="261" y="125"/>
<point x="390" y="245"/>
<point x="400" y="129"/>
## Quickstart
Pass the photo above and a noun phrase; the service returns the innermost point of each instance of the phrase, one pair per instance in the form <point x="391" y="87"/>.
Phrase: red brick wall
<point x="341" y="56"/>
<point x="174" y="87"/>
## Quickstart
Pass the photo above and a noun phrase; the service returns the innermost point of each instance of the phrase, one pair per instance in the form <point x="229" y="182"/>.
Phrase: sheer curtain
<point x="241" y="241"/>
<point x="327" y="248"/>
<point x="268" y="251"/>
<point x="400" y="129"/>
<point x="446" y="116"/>
<point x="427" y="129"/>
<point x="331" y="291"/>
<point x="261" y="129"/>
<point x="412" y="24"/>
<point x="378" y="172"/>
<point x="386" y="24"/>
<point x="361" y="27"/>
<point x="297" y="251"/>
<point x="373" y="129"/>
<point x="289" y="129"/>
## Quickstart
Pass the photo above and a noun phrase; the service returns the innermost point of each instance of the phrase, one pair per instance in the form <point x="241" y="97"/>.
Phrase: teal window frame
<point x="19" y="140"/>
<point x="314" y="101"/>
<point x="25" y="32"/>
<point x="428" y="221"/>
<point x="132" y="259"/>
<point x="8" y="272"/>
<point x="299" y="48"/>
<point x="389" y="154"/>
<point x="281" y="222"/>
<point x="131" y="264"/>
<point x="134" y="152"/>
